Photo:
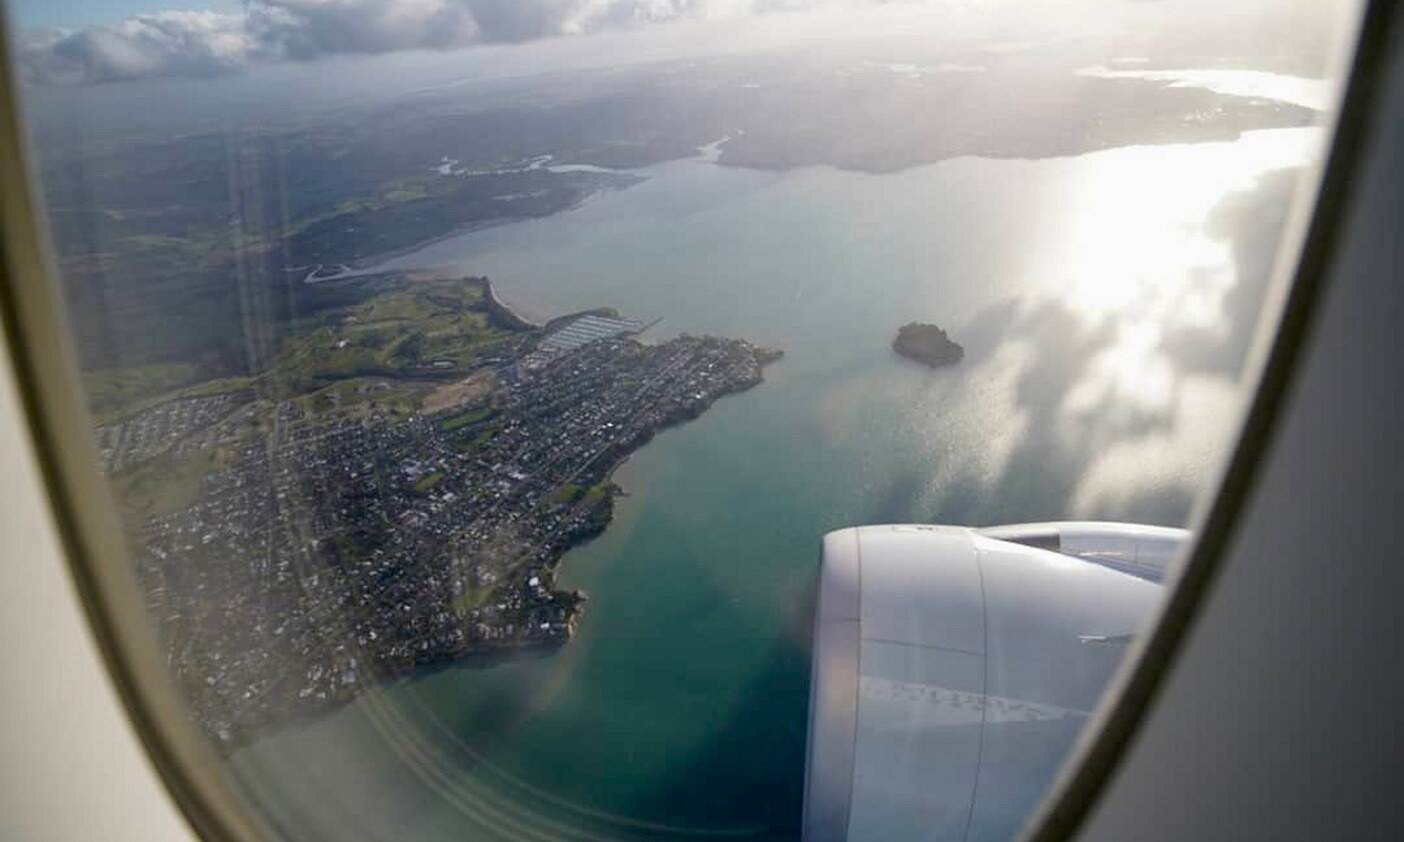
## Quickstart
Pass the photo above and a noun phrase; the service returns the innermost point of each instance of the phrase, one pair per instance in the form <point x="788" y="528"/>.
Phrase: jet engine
<point x="954" y="668"/>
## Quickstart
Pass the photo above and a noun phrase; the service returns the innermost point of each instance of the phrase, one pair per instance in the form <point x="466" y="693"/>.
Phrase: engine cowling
<point x="952" y="672"/>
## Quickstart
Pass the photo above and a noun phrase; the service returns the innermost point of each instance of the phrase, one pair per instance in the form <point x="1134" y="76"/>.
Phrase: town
<point x="298" y="555"/>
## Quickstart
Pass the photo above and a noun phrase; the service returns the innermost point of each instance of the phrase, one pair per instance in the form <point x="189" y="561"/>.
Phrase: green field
<point x="466" y="419"/>
<point x="465" y="444"/>
<point x="411" y="326"/>
<point x="362" y="396"/>
<point x="474" y="597"/>
<point x="567" y="493"/>
<point x="406" y="329"/>
<point x="428" y="481"/>
<point x="165" y="484"/>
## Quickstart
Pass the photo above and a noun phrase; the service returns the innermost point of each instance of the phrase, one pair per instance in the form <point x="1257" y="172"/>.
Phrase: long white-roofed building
<point x="579" y="332"/>
<point x="586" y="329"/>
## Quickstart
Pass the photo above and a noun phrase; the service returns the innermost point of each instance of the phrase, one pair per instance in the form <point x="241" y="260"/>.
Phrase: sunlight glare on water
<point x="1124" y="260"/>
<point x="1139" y="234"/>
<point x="1141" y="259"/>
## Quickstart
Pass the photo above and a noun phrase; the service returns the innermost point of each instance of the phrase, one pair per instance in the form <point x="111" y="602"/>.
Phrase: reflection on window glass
<point x="477" y="382"/>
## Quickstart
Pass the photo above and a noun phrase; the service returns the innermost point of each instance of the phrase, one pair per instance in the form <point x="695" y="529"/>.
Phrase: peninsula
<point x="927" y="344"/>
<point x="394" y="490"/>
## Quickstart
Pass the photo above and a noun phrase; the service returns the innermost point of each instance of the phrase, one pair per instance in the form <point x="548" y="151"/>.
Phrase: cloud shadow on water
<point x="1058" y="446"/>
<point x="1251" y="221"/>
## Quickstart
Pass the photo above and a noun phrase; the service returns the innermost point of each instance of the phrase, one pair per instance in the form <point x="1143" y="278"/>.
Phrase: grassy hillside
<point x="412" y="329"/>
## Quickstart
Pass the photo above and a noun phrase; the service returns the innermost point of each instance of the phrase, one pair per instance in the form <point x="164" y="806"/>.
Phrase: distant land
<point x="171" y="247"/>
<point x="927" y="344"/>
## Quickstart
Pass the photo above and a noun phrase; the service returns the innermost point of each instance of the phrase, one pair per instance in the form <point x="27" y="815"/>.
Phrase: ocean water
<point x="1105" y="303"/>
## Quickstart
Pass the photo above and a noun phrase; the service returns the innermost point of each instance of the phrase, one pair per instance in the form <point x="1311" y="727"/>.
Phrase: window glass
<point x="477" y="382"/>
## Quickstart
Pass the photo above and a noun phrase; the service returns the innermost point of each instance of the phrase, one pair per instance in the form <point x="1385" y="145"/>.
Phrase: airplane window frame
<point x="1300" y="275"/>
<point x="35" y="334"/>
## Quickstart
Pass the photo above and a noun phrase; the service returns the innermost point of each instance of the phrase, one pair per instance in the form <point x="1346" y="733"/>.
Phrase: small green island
<point x="927" y="344"/>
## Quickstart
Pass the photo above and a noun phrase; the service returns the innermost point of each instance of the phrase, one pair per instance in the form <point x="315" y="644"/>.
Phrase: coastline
<point x="492" y="654"/>
<point x="614" y="490"/>
<point x="500" y="309"/>
<point x="373" y="264"/>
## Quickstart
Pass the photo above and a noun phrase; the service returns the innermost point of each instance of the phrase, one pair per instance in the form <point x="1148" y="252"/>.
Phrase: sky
<point x="79" y="13"/>
<point x="80" y="42"/>
<point x="85" y="42"/>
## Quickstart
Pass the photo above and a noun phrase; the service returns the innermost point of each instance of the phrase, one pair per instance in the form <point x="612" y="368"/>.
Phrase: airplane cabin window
<point x="645" y="419"/>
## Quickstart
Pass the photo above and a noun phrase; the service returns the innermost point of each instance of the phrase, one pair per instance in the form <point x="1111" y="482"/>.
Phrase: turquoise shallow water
<point x="680" y="708"/>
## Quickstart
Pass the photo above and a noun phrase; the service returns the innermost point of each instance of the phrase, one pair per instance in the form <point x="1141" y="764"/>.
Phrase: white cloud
<point x="302" y="29"/>
<point x="161" y="43"/>
<point x="199" y="43"/>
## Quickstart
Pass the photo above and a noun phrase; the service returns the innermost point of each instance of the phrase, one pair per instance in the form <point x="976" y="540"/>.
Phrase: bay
<point x="1104" y="303"/>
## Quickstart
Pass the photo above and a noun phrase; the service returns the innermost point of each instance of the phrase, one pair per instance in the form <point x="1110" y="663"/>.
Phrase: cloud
<point x="206" y="43"/>
<point x="158" y="44"/>
<point x="304" y="29"/>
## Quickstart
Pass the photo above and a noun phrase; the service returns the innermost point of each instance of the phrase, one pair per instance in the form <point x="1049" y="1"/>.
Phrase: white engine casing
<point x="952" y="672"/>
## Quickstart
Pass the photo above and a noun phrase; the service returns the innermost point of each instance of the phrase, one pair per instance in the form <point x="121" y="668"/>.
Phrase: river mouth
<point x="1100" y="381"/>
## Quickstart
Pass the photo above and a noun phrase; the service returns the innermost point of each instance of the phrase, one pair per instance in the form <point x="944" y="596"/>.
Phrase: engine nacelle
<point x="952" y="673"/>
<point x="1142" y="551"/>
